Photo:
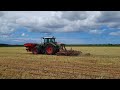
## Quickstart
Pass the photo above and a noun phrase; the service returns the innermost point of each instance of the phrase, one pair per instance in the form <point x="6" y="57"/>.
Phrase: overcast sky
<point x="70" y="27"/>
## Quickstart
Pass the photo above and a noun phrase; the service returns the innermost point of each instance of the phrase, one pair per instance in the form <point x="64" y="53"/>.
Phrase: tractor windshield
<point x="47" y="40"/>
<point x="52" y="40"/>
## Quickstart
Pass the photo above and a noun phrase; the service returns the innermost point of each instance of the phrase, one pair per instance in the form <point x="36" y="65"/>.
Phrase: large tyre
<point x="50" y="50"/>
<point x="35" y="50"/>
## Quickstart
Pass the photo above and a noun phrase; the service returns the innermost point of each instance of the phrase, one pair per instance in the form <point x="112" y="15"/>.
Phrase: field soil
<point x="102" y="63"/>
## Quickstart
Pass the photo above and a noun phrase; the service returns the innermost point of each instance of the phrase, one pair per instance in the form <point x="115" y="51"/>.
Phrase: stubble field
<point x="103" y="63"/>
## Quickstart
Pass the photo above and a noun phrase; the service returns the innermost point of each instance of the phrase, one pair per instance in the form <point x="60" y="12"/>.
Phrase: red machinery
<point x="50" y="47"/>
<point x="30" y="46"/>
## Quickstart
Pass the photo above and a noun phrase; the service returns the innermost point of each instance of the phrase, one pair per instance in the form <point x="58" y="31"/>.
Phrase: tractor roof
<point x="48" y="37"/>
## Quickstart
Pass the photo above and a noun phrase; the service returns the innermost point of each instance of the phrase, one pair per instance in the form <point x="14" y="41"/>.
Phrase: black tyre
<point x="50" y="50"/>
<point x="42" y="51"/>
<point x="35" y="51"/>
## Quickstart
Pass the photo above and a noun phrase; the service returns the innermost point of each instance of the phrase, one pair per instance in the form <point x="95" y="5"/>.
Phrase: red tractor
<point x="49" y="47"/>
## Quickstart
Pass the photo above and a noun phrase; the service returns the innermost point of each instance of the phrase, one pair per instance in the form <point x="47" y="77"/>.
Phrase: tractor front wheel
<point x="50" y="50"/>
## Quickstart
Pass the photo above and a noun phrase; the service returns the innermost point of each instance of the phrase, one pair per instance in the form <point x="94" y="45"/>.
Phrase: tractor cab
<point x="49" y="40"/>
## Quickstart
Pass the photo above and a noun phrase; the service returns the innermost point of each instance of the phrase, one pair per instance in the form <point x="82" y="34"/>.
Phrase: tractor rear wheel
<point x="50" y="50"/>
<point x="35" y="50"/>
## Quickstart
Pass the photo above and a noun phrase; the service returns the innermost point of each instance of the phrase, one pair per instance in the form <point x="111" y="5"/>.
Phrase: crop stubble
<point x="104" y="63"/>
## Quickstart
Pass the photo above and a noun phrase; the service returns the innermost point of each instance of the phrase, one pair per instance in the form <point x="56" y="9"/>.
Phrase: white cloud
<point x="60" y="21"/>
<point x="7" y="25"/>
<point x="74" y="15"/>
<point x="1" y="13"/>
<point x="38" y="40"/>
<point x="115" y="33"/>
<point x="52" y="22"/>
<point x="96" y="31"/>
<point x="70" y="40"/>
<point x="109" y="18"/>
<point x="23" y="34"/>
<point x="22" y="40"/>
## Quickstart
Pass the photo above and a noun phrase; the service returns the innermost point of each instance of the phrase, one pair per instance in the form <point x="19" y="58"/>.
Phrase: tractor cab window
<point x="52" y="40"/>
<point x="47" y="40"/>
